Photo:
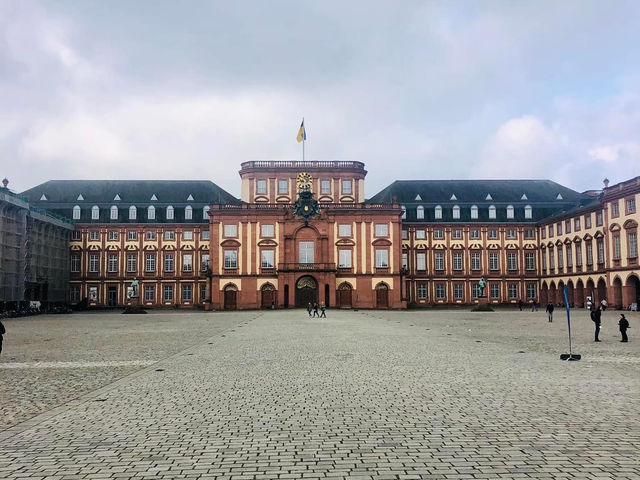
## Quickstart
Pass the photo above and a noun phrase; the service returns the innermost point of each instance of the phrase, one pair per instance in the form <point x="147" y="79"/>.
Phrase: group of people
<point x="596" y="318"/>
<point x="312" y="310"/>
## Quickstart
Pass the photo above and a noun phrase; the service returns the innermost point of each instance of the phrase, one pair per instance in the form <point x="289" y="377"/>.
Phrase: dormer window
<point x="205" y="212"/>
<point x="420" y="212"/>
<point x="80" y="197"/>
<point x="190" y="198"/>
<point x="188" y="212"/>
<point x="95" y="213"/>
<point x="43" y="197"/>
<point x="154" y="198"/>
<point x="116" y="198"/>
<point x="474" y="212"/>
<point x="492" y="212"/>
<point x="114" y="213"/>
<point x="528" y="212"/>
<point x="76" y="212"/>
<point x="456" y="212"/>
<point x="510" y="211"/>
<point x="418" y="198"/>
<point x="133" y="212"/>
<point x="438" y="212"/>
<point x="488" y="197"/>
<point x="170" y="212"/>
<point x="453" y="197"/>
<point x="151" y="212"/>
<point x="524" y="197"/>
<point x="559" y="197"/>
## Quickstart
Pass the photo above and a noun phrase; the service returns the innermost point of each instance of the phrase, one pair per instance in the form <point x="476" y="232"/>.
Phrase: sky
<point x="414" y="89"/>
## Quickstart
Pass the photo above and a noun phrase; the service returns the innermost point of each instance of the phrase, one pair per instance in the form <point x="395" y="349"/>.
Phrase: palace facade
<point x="304" y="232"/>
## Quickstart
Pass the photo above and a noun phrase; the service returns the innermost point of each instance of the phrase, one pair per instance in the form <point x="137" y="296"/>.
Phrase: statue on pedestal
<point x="481" y="286"/>
<point x="134" y="287"/>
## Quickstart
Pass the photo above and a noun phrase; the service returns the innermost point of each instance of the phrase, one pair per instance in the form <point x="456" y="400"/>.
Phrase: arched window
<point x="438" y="212"/>
<point x="456" y="211"/>
<point x="169" y="212"/>
<point x="509" y="211"/>
<point x="420" y="212"/>
<point x="188" y="212"/>
<point x="528" y="212"/>
<point x="151" y="212"/>
<point x="474" y="212"/>
<point x="95" y="213"/>
<point x="205" y="212"/>
<point x="76" y="212"/>
<point x="133" y="212"/>
<point x="492" y="212"/>
<point x="114" y="212"/>
<point x="404" y="212"/>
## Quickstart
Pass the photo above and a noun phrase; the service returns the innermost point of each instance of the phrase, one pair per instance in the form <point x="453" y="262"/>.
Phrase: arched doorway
<point x="544" y="294"/>
<point x="268" y="296"/>
<point x="344" y="295"/>
<point x="230" y="297"/>
<point x="579" y="296"/>
<point x="602" y="290"/>
<point x="552" y="293"/>
<point x="590" y="292"/>
<point x="571" y="292"/>
<point x="631" y="293"/>
<point x="560" y="293"/>
<point x="306" y="291"/>
<point x="382" y="295"/>
<point x="617" y="293"/>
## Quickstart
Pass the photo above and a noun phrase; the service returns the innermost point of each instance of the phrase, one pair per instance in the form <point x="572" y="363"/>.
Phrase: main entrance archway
<point x="382" y="295"/>
<point x="230" y="297"/>
<point x="343" y="295"/>
<point x="268" y="294"/>
<point x="306" y="291"/>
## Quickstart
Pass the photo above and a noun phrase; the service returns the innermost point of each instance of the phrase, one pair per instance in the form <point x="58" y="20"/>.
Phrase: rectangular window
<point x="132" y="235"/>
<point x="543" y="233"/>
<point x="405" y="260"/>
<point x="230" y="259"/>
<point x="283" y="187"/>
<point x="113" y="235"/>
<point x="616" y="247"/>
<point x="550" y="231"/>
<point x="631" y="205"/>
<point x="267" y="259"/>
<point x="205" y="235"/>
<point x="440" y="291"/>
<point x="615" y="209"/>
<point x="187" y="293"/>
<point x="600" y="247"/>
<point x="457" y="234"/>
<point x="587" y="221"/>
<point x="132" y="262"/>
<point x="325" y="187"/>
<point x="578" y="255"/>
<point x="512" y="261"/>
<point x="457" y="261"/>
<point x="513" y="291"/>
<point x="576" y="224"/>
<point x="94" y="263"/>
<point x="437" y="233"/>
<point x="560" y="258"/>
<point x="531" y="290"/>
<point x="112" y="263"/>
<point x="543" y="255"/>
<point x="94" y="235"/>
<point x="168" y="293"/>
<point x="149" y="293"/>
<point x="231" y="231"/>
<point x="475" y="260"/>
<point x="261" y="187"/>
<point x="598" y="219"/>
<point x="633" y="244"/>
<point x="169" y="235"/>
<point x="494" y="289"/>
<point x="567" y="226"/>
<point x="475" y="234"/>
<point x="405" y="235"/>
<point x="569" y="256"/>
<point x="344" y="257"/>
<point x="267" y="230"/>
<point x="382" y="230"/>
<point x="150" y="235"/>
<point x="552" y="259"/>
<point x="74" y="294"/>
<point x="346" y="187"/>
<point x="382" y="258"/>
<point x="529" y="234"/>
<point x="530" y="261"/>
<point x="438" y="260"/>
<point x="203" y="292"/>
<point x="168" y="262"/>
<point x="559" y="228"/>
<point x="75" y="262"/>
<point x="420" y="235"/>
<point x="494" y="261"/>
<point x="475" y="290"/>
<point x="204" y="262"/>
<point x="187" y="262"/>
<point x="511" y="233"/>
<point x="493" y="233"/>
<point x="306" y="251"/>
<point x="421" y="261"/>
<point x="76" y="235"/>
<point x="589" y="254"/>
<point x="150" y="262"/>
<point x="422" y="291"/>
<point x="458" y="291"/>
<point x="187" y="235"/>
<point x="344" y="230"/>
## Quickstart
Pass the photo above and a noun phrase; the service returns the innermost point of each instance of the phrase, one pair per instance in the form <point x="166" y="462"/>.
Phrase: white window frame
<point x="382" y="230"/>
<point x="205" y="212"/>
<point x="268" y="259"/>
<point x="344" y="258"/>
<point x="421" y="261"/>
<point x="474" y="212"/>
<point x="170" y="212"/>
<point x="344" y="230"/>
<point x="169" y="264"/>
<point x="306" y="252"/>
<point x="510" y="212"/>
<point x="261" y="186"/>
<point x="421" y="234"/>
<point x="150" y="262"/>
<point x="267" y="230"/>
<point x="456" y="212"/>
<point x="327" y="184"/>
<point x="437" y="212"/>
<point x="77" y="212"/>
<point x="113" y="212"/>
<point x="382" y="258"/>
<point x="347" y="186"/>
<point x="281" y="190"/>
<point x="95" y="213"/>
<point x="492" y="212"/>
<point x="133" y="212"/>
<point x="187" y="235"/>
<point x="151" y="212"/>
<point x="230" y="230"/>
<point x="230" y="259"/>
<point x="188" y="212"/>
<point x="420" y="212"/>
<point x="528" y="212"/>
<point x="187" y="262"/>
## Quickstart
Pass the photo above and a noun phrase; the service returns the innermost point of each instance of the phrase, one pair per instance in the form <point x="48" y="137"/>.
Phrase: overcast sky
<point x="416" y="90"/>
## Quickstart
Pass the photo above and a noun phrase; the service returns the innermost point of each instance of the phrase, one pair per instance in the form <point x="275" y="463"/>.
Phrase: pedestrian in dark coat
<point x="520" y="304"/>
<point x="550" y="308"/>
<point x="322" y="310"/>
<point x="315" y="310"/>
<point x="624" y="324"/>
<point x="309" y="308"/>
<point x="2" y="332"/>
<point x="595" y="317"/>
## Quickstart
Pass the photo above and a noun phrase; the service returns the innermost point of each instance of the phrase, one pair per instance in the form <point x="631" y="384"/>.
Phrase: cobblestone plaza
<point x="363" y="394"/>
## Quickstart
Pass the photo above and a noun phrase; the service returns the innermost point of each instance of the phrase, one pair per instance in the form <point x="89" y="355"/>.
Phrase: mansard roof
<point x="475" y="192"/>
<point x="131" y="192"/>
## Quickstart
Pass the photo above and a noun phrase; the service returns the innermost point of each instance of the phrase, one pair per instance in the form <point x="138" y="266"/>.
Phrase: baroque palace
<point x="303" y="232"/>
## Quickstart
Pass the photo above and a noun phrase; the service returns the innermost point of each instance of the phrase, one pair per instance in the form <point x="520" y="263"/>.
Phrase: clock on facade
<point x="303" y="181"/>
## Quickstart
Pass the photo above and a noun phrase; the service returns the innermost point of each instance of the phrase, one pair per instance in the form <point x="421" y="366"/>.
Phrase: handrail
<point x="305" y="267"/>
<point x="301" y="164"/>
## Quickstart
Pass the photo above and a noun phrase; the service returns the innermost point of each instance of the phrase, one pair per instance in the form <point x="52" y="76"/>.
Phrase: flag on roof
<point x="302" y="134"/>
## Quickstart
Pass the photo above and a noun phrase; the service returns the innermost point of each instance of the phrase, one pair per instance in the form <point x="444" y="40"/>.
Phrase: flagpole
<point x="304" y="139"/>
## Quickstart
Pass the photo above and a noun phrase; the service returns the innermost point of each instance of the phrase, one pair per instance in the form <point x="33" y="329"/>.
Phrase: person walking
<point x="624" y="324"/>
<point x="603" y="304"/>
<point x="309" y="308"/>
<point x="595" y="317"/>
<point x="520" y="304"/>
<point x="315" y="309"/>
<point x="3" y="331"/>
<point x="550" y="308"/>
<point x="322" y="310"/>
